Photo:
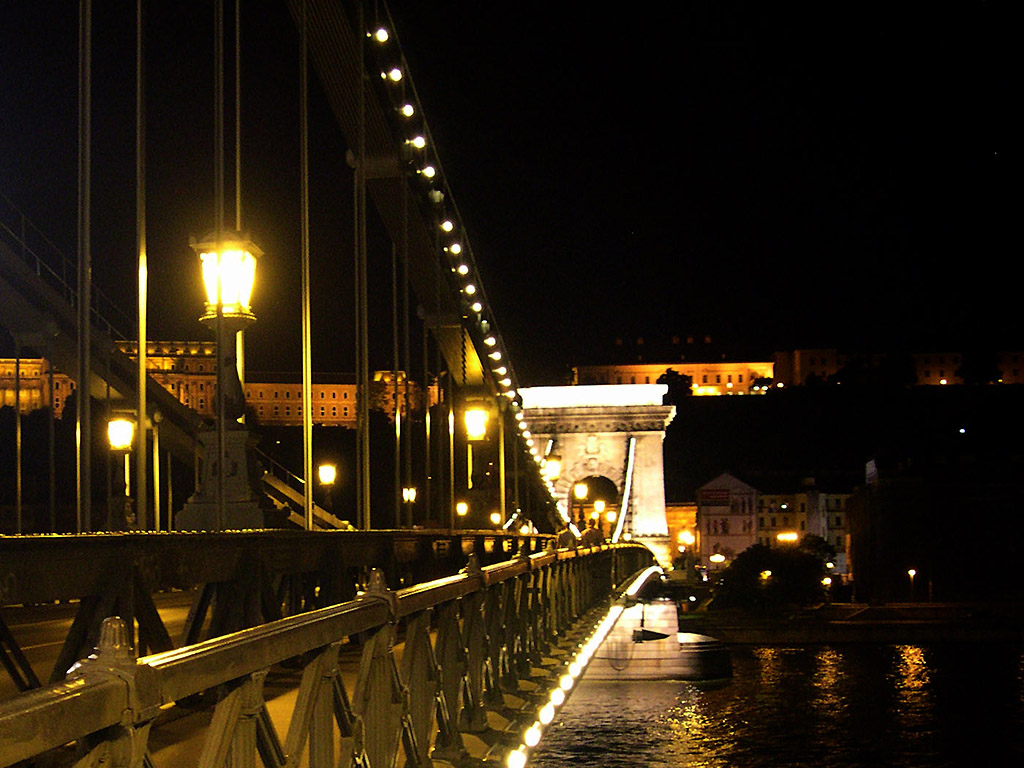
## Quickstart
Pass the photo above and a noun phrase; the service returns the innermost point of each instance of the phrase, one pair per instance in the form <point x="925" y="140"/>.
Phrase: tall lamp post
<point x="580" y="491"/>
<point x="409" y="500"/>
<point x="120" y="436"/>
<point x="476" y="431"/>
<point x="224" y="498"/>
<point x="327" y="475"/>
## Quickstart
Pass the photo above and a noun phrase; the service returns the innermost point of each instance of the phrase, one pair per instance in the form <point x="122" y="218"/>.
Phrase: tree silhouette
<point x="679" y="386"/>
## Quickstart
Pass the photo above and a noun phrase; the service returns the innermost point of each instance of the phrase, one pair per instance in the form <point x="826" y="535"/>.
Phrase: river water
<point x="850" y="706"/>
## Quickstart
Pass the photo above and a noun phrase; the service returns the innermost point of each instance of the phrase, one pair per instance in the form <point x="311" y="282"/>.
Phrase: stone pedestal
<point x="241" y="503"/>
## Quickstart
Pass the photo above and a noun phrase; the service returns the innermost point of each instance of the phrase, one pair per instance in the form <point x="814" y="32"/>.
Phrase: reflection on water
<point x="832" y="707"/>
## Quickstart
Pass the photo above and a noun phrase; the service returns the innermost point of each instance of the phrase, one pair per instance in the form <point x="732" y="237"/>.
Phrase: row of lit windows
<point x="718" y="378"/>
<point x="276" y="411"/>
<point x="720" y="526"/>
<point x="288" y="394"/>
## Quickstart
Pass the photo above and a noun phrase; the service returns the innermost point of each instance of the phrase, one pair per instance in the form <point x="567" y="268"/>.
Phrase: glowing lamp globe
<point x="229" y="273"/>
<point x="327" y="474"/>
<point x="120" y="433"/>
<point x="476" y="424"/>
<point x="552" y="467"/>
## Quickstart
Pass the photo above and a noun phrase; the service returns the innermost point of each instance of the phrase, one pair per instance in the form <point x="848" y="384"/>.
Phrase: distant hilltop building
<point x="719" y="378"/>
<point x="188" y="370"/>
<point x="712" y="372"/>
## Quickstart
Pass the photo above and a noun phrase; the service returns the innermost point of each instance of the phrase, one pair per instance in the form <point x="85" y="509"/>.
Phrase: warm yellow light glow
<point x="788" y="537"/>
<point x="827" y="581"/>
<point x="765" y="575"/>
<point x="455" y="248"/>
<point x="717" y="558"/>
<point x="496" y="518"/>
<point x="234" y="274"/>
<point x="476" y="423"/>
<point x="429" y="171"/>
<point x="408" y="110"/>
<point x="461" y="509"/>
<point x="381" y="35"/>
<point x="516" y="759"/>
<point x="611" y="517"/>
<point x="598" y="506"/>
<point x="418" y="141"/>
<point x="395" y="75"/>
<point x="476" y="306"/>
<point x="120" y="433"/>
<point x="447" y="226"/>
<point x="327" y="474"/>
<point x="462" y="269"/>
<point x="580" y="491"/>
<point x="552" y="466"/>
<point x="532" y="736"/>
<point x="470" y="289"/>
<point x="409" y="495"/>
<point x="546" y="714"/>
<point x="912" y="573"/>
<point x="686" y="537"/>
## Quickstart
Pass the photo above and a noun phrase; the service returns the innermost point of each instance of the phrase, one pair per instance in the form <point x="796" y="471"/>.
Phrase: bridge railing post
<point x="124" y="744"/>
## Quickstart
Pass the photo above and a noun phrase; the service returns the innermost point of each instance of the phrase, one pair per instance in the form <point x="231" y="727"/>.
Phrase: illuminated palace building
<point x="793" y="368"/>
<point x="188" y="370"/>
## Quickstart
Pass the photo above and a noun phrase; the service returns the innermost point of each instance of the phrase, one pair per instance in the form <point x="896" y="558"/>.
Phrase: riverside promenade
<point x="891" y="623"/>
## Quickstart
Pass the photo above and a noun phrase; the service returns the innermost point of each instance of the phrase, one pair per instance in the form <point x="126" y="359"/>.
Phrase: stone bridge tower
<point x="614" y="431"/>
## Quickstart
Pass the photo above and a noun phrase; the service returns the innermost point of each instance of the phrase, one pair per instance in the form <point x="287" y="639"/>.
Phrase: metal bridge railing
<point x="51" y="266"/>
<point x="469" y="640"/>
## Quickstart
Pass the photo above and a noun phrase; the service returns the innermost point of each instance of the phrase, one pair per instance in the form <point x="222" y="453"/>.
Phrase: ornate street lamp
<point x="551" y="468"/>
<point x="120" y="437"/>
<point x="476" y="423"/>
<point x="225" y="499"/>
<point x="327" y="476"/>
<point x="580" y="491"/>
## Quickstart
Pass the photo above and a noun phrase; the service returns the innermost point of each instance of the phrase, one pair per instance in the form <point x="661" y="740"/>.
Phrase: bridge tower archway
<point x="611" y="431"/>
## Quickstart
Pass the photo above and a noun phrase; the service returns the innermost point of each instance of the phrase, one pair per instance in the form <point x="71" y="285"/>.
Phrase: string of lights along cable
<point x="418" y="151"/>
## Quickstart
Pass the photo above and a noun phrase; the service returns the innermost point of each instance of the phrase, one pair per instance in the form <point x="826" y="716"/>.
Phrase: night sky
<point x="772" y="175"/>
